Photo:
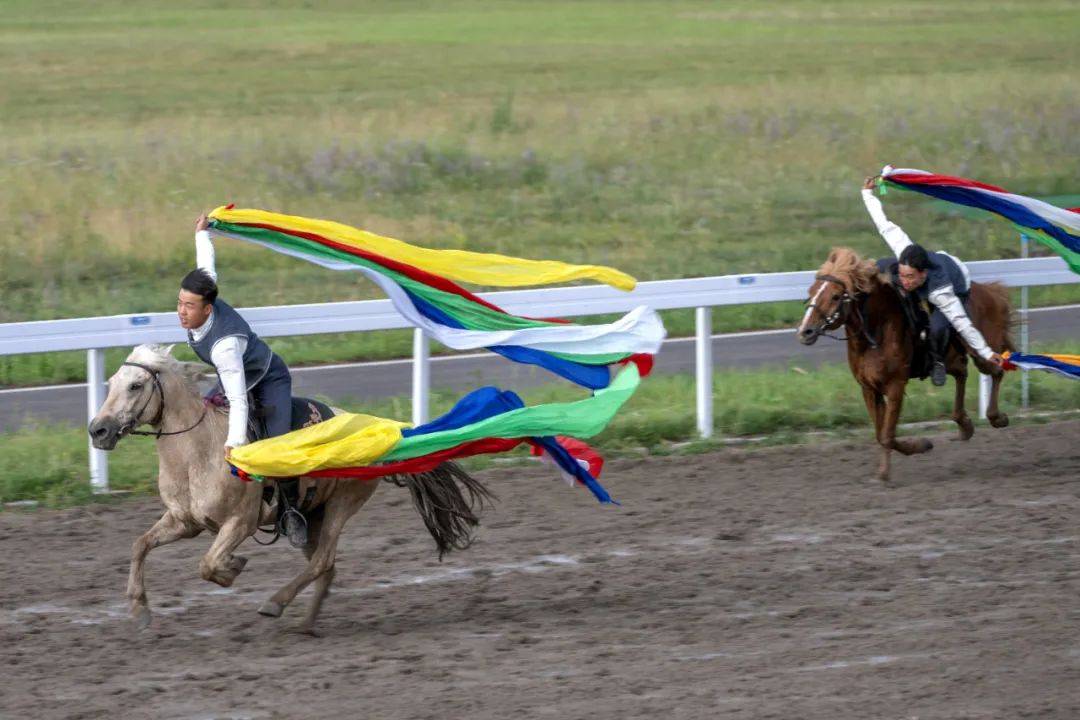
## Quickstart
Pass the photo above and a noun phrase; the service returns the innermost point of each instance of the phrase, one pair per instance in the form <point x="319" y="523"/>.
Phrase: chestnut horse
<point x="850" y="292"/>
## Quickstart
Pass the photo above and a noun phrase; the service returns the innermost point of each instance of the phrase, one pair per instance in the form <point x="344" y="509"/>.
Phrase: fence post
<point x="421" y="377"/>
<point x="985" y="383"/>
<point x="704" y="371"/>
<point x="95" y="396"/>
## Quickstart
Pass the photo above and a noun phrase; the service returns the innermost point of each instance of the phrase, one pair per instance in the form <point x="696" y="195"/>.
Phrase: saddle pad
<point x="307" y="412"/>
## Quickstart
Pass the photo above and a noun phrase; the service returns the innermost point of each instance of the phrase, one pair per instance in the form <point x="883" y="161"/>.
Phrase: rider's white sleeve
<point x="946" y="301"/>
<point x="204" y="253"/>
<point x="228" y="357"/>
<point x="893" y="234"/>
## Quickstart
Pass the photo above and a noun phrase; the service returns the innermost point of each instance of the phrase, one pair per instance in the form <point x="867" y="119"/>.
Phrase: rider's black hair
<point x="915" y="256"/>
<point x="198" y="281"/>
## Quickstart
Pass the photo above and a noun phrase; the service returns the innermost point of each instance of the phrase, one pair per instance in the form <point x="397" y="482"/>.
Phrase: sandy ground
<point x="774" y="583"/>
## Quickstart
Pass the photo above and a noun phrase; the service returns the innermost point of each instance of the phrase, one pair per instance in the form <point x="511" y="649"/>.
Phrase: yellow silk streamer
<point x="461" y="265"/>
<point x="345" y="440"/>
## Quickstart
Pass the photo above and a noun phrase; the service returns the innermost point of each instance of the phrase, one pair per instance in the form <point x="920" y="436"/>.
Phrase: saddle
<point x="293" y="513"/>
<point x="917" y="319"/>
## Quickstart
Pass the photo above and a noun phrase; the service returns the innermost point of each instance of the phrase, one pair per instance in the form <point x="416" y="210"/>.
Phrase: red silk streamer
<point x="423" y="463"/>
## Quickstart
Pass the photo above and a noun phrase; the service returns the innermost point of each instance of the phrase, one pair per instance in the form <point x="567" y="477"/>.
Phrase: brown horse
<point x="152" y="388"/>
<point x="849" y="292"/>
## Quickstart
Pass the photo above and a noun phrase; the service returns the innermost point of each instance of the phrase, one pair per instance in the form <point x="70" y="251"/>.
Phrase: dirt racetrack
<point x="774" y="583"/>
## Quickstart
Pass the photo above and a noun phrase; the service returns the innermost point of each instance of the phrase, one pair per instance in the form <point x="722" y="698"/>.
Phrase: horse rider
<point x="937" y="278"/>
<point x="223" y="339"/>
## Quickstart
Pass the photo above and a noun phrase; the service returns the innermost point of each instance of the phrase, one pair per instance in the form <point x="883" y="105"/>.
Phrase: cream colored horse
<point x="199" y="493"/>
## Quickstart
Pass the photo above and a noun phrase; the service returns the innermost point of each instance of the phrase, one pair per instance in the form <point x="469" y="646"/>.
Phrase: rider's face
<point x="911" y="278"/>
<point x="192" y="310"/>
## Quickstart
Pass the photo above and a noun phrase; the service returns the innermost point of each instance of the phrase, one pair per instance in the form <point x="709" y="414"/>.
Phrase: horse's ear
<point x="167" y="349"/>
<point x="832" y="255"/>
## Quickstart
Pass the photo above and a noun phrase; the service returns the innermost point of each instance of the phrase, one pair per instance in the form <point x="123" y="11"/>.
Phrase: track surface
<point x="775" y="583"/>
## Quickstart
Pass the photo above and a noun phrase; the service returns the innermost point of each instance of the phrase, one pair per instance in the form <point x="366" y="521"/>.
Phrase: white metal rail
<point x="96" y="334"/>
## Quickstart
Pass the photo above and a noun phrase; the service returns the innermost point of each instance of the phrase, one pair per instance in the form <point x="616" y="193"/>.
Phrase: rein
<point x="161" y="407"/>
<point x="840" y="314"/>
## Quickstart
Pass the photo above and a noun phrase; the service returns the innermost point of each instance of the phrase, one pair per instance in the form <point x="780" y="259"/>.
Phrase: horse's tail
<point x="996" y="308"/>
<point x="448" y="514"/>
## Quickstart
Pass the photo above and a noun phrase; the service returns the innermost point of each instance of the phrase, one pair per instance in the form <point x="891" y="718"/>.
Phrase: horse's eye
<point x="135" y="387"/>
<point x="836" y="296"/>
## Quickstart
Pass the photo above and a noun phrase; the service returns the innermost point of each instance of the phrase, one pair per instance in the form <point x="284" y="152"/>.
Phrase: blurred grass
<point x="49" y="464"/>
<point x="671" y="140"/>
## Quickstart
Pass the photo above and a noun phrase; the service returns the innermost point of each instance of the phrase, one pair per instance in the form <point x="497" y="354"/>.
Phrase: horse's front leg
<point x="958" y="369"/>
<point x="219" y="565"/>
<point x="875" y="407"/>
<point x="894" y="403"/>
<point x="166" y="530"/>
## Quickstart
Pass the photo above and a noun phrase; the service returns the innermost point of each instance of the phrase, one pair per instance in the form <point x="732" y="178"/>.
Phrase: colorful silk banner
<point x="486" y="420"/>
<point x="1067" y="365"/>
<point x="421" y="284"/>
<point x="1057" y="228"/>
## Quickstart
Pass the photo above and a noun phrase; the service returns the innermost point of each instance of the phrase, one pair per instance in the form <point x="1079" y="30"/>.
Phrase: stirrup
<point x="293" y="525"/>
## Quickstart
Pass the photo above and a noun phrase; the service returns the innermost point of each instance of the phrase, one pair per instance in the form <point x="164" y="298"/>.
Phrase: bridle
<point x="156" y="422"/>
<point x="840" y="315"/>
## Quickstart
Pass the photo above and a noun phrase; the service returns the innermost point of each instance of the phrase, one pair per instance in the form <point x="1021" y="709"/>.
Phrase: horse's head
<point x="136" y="394"/>
<point x="833" y="293"/>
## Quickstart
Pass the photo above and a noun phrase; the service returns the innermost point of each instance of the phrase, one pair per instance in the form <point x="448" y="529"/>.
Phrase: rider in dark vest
<point x="937" y="278"/>
<point x="223" y="339"/>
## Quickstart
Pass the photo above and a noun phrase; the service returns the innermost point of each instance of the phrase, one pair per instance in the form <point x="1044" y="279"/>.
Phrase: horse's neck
<point x="202" y="444"/>
<point x="880" y="318"/>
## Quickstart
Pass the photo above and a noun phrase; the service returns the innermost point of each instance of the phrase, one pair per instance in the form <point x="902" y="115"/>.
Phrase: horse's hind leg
<point x="322" y="583"/>
<point x="167" y="529"/>
<point x="346" y="499"/>
<point x="219" y="565"/>
<point x="997" y="418"/>
<point x="958" y="369"/>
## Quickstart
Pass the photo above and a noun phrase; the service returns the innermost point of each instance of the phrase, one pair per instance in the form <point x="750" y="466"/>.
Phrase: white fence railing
<point x="96" y="334"/>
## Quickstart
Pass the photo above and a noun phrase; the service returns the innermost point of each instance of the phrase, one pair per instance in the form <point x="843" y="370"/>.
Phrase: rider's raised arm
<point x="204" y="253"/>
<point x="204" y="248"/>
<point x="945" y="300"/>
<point x="228" y="357"/>
<point x="893" y="234"/>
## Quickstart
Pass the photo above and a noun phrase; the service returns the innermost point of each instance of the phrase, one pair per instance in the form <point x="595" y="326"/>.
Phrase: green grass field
<point x="669" y="139"/>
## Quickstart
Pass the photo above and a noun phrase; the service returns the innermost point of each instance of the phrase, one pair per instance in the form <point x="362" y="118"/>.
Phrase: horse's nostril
<point x="99" y="432"/>
<point x="807" y="332"/>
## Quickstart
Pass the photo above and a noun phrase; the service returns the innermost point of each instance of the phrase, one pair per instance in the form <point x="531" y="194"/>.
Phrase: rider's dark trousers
<point x="274" y="394"/>
<point x="941" y="330"/>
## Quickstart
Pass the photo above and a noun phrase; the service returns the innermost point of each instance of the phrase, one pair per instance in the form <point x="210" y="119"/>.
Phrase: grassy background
<point x="49" y="464"/>
<point x="669" y="139"/>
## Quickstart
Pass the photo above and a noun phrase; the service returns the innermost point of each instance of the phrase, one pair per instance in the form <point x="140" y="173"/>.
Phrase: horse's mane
<point x="156" y="356"/>
<point x="858" y="275"/>
<point x="159" y="357"/>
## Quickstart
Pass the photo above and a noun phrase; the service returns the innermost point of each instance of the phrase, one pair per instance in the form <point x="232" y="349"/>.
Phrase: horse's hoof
<point x="967" y="428"/>
<point x="140" y="617"/>
<point x="999" y="421"/>
<point x="925" y="445"/>
<point x="271" y="609"/>
<point x="237" y="563"/>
